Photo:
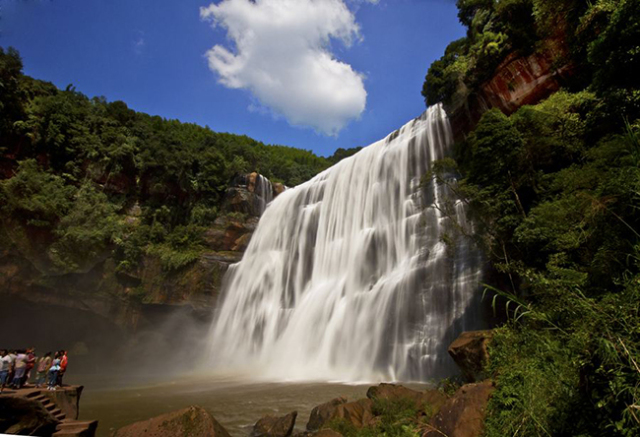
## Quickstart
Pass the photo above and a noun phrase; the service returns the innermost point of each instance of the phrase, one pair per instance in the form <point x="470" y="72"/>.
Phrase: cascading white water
<point x="348" y="276"/>
<point x="264" y="192"/>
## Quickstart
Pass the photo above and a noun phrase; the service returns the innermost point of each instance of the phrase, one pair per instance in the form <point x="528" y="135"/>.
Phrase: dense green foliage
<point x="74" y="168"/>
<point x="572" y="28"/>
<point x="555" y="192"/>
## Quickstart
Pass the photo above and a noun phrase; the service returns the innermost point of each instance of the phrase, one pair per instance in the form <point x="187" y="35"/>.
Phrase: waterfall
<point x="264" y="192"/>
<point x="361" y="273"/>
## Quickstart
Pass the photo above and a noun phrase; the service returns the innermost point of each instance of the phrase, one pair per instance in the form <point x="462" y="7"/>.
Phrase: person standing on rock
<point x="31" y="362"/>
<point x="43" y="367"/>
<point x="20" y="369"/>
<point x="5" y="364"/>
<point x="63" y="366"/>
<point x="53" y="372"/>
<point x="12" y="367"/>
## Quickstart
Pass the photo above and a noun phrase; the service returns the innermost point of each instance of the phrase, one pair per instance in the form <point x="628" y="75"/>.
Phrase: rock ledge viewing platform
<point x="38" y="411"/>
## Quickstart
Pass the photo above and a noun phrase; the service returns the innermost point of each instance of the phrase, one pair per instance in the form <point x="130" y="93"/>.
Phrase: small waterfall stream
<point x="264" y="192"/>
<point x="350" y="277"/>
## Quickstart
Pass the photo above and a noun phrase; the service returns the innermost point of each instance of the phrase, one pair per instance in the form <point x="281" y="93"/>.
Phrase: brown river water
<point x="235" y="401"/>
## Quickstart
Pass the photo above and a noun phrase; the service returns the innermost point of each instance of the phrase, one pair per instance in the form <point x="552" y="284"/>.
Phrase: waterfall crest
<point x="357" y="274"/>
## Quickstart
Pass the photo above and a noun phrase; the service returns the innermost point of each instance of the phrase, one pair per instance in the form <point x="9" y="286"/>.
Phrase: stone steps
<point x="76" y="428"/>
<point x="66" y="427"/>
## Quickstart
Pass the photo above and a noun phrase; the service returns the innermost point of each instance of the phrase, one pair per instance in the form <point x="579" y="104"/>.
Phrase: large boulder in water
<point x="271" y="426"/>
<point x="470" y="353"/>
<point x="462" y="415"/>
<point x="192" y="421"/>
<point x="430" y="399"/>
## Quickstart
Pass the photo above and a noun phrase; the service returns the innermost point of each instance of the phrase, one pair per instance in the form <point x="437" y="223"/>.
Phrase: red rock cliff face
<point x="518" y="81"/>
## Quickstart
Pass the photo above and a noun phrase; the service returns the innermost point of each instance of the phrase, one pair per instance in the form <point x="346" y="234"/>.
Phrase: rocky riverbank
<point x="452" y="410"/>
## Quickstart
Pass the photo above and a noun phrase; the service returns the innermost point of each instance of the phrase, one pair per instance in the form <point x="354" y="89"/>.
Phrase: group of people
<point x="16" y="368"/>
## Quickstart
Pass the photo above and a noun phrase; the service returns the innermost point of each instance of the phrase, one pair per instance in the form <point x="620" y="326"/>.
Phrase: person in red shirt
<point x="31" y="362"/>
<point x="63" y="367"/>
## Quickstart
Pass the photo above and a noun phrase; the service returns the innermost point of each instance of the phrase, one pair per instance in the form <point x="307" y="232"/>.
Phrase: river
<point x="237" y="402"/>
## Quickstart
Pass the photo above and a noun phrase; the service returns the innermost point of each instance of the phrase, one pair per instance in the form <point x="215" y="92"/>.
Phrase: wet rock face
<point x="250" y="193"/>
<point x="229" y="233"/>
<point x="24" y="417"/>
<point x="192" y="421"/>
<point x="463" y="414"/>
<point x="271" y="426"/>
<point x="470" y="353"/>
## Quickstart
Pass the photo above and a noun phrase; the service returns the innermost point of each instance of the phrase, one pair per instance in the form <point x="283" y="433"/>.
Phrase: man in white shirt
<point x="5" y="365"/>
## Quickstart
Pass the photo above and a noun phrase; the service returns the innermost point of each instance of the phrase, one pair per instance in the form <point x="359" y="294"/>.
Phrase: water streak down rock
<point x="348" y="276"/>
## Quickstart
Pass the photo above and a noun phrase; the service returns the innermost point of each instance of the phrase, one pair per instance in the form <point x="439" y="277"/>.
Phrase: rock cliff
<point x="100" y="308"/>
<point x="517" y="81"/>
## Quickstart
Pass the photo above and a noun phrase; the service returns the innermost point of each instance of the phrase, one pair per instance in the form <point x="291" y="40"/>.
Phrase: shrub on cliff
<point x="555" y="198"/>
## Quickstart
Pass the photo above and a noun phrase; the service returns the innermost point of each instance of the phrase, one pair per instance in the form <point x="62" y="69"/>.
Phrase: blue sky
<point x="337" y="73"/>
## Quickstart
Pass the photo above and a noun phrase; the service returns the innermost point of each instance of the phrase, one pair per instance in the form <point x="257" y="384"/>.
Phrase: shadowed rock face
<point x="24" y="417"/>
<point x="33" y="411"/>
<point x="67" y="399"/>
<point x="463" y="414"/>
<point x="470" y="353"/>
<point x="271" y="426"/>
<point x="192" y="421"/>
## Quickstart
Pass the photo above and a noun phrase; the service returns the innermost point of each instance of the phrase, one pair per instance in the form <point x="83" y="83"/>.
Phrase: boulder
<point x="192" y="421"/>
<point x="240" y="199"/>
<point x="323" y="413"/>
<point x="470" y="353"/>
<point x="24" y="416"/>
<point x="272" y="426"/>
<point x="358" y="413"/>
<point x="463" y="414"/>
<point x="431" y="399"/>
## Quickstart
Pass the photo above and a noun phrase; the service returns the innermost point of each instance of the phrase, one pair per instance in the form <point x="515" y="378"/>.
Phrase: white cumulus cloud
<point x="281" y="52"/>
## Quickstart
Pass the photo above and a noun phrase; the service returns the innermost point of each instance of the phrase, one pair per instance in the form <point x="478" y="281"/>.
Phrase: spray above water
<point x="348" y="276"/>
